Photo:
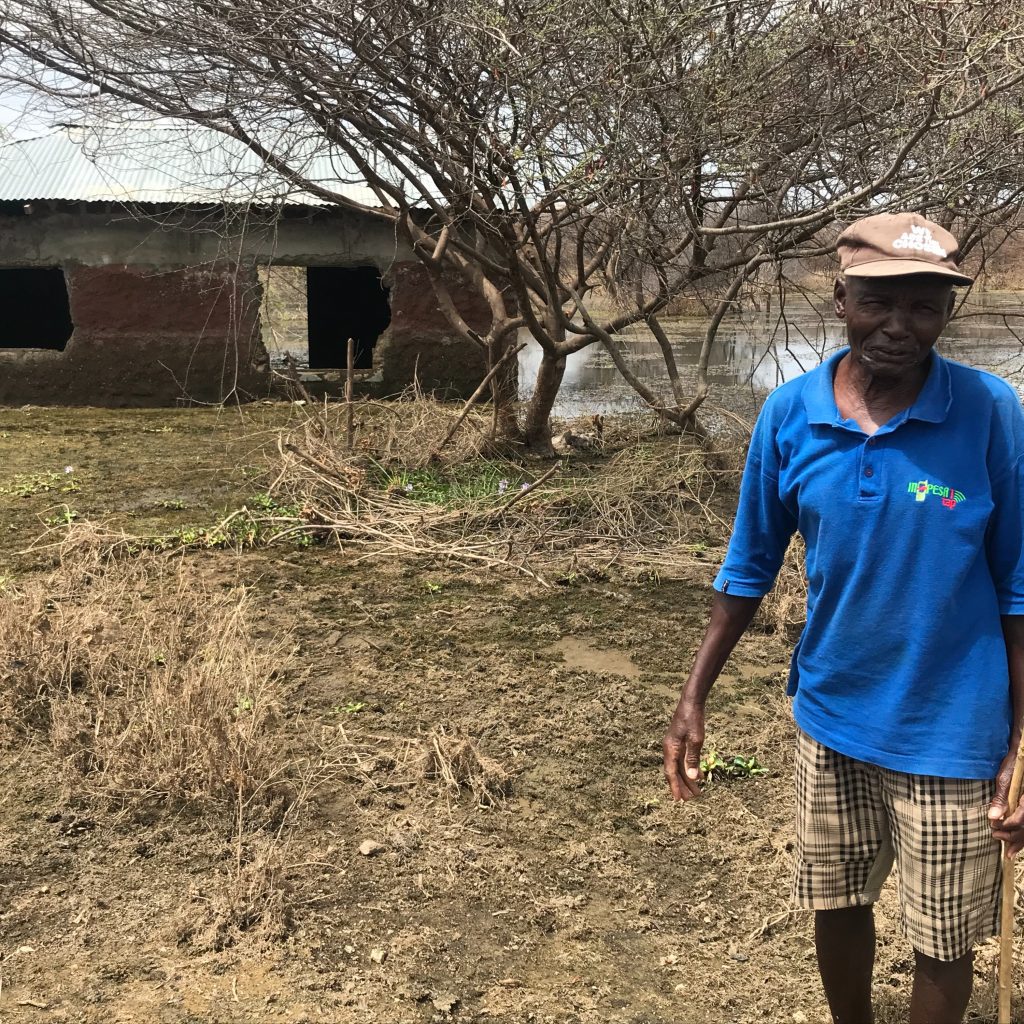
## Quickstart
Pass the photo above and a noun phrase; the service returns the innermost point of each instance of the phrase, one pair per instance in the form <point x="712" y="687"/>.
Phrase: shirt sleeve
<point x="764" y="524"/>
<point x="1004" y="536"/>
<point x="1005" y="540"/>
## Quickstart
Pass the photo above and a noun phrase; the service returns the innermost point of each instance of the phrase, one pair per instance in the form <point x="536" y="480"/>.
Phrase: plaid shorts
<point x="854" y="819"/>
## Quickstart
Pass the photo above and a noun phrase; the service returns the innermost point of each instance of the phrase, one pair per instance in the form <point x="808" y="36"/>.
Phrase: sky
<point x="18" y="117"/>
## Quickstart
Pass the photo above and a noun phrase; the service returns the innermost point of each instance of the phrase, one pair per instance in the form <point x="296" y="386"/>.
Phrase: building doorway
<point x="343" y="303"/>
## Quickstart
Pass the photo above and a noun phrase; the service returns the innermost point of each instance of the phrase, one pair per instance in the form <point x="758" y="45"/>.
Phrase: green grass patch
<point x="24" y="485"/>
<point x="249" y="527"/>
<point x="453" y="486"/>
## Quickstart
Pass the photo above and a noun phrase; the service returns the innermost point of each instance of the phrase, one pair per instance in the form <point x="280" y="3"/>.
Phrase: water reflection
<point x="761" y="354"/>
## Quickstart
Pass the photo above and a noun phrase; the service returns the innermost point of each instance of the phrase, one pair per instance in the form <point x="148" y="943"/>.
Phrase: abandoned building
<point x="165" y="265"/>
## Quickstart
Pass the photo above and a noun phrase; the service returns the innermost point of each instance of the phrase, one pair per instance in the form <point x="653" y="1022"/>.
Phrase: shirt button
<point x="869" y="471"/>
<point x="871" y="441"/>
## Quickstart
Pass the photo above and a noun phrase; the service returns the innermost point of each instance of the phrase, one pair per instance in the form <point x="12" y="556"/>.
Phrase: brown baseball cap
<point x="897" y="244"/>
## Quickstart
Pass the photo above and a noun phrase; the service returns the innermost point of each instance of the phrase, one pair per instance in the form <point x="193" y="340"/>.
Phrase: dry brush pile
<point x="424" y="479"/>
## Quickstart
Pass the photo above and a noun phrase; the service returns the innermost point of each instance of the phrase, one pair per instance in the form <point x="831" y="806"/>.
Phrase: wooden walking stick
<point x="1008" y="900"/>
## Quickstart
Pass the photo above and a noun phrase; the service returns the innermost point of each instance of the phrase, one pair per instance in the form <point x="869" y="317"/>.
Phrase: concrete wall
<point x="96" y="234"/>
<point x="166" y="307"/>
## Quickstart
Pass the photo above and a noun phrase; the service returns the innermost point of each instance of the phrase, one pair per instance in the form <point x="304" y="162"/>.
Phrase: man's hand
<point x="730" y="616"/>
<point x="1007" y="825"/>
<point x="682" y="747"/>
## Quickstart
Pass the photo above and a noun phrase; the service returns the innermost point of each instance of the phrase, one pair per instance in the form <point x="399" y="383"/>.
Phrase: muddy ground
<point x="583" y="896"/>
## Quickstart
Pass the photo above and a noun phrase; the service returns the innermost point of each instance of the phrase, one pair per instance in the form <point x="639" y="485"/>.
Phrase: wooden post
<point x="1008" y="899"/>
<point x="350" y="424"/>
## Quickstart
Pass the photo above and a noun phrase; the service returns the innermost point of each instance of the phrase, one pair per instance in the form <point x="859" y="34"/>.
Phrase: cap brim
<point x="904" y="268"/>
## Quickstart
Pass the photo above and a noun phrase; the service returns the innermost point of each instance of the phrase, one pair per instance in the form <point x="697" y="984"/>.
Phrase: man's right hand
<point x="682" y="747"/>
<point x="730" y="616"/>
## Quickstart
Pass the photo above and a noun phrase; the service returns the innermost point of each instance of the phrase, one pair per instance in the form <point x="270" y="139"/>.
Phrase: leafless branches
<point x="579" y="173"/>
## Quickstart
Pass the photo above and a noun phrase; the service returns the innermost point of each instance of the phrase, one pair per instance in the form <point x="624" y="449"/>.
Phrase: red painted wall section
<point x="148" y="337"/>
<point x="419" y="341"/>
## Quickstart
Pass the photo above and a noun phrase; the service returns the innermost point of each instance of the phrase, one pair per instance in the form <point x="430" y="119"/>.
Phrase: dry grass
<point x="152" y="690"/>
<point x="148" y="685"/>
<point x="457" y="762"/>
<point x="251" y="899"/>
<point x="444" y="759"/>
<point x="408" y="430"/>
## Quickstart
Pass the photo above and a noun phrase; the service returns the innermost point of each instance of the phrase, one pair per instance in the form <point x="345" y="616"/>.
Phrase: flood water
<point x="754" y="354"/>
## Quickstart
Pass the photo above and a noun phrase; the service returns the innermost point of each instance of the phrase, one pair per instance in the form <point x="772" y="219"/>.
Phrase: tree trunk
<point x="538" y="414"/>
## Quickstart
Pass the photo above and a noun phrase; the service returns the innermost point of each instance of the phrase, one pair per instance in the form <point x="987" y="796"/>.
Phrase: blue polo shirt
<point x="915" y="547"/>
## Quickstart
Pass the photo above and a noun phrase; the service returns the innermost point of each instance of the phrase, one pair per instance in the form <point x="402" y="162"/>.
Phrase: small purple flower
<point x="524" y="487"/>
<point x="502" y="486"/>
<point x="69" y="469"/>
<point x="408" y="488"/>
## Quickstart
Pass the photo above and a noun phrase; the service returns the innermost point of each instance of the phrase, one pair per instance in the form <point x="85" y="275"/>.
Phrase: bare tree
<point x="579" y="173"/>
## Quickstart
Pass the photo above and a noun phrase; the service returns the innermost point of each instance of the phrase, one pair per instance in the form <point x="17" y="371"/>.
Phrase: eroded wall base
<point x="145" y="336"/>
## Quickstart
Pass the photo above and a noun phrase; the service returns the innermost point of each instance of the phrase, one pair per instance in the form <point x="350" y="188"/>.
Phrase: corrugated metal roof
<point x="163" y="165"/>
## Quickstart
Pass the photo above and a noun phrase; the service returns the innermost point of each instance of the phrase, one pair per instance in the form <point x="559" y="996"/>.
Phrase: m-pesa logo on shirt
<point x="921" y="489"/>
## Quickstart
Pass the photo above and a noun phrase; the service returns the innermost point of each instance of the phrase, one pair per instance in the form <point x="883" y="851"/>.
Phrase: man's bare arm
<point x="730" y="616"/>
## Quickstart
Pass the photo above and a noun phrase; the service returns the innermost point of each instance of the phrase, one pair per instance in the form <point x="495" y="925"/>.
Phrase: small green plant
<point x="718" y="766"/>
<point x="353" y="707"/>
<point x="243" y="705"/>
<point x="650" y="805"/>
<point x="269" y="504"/>
<point x="65" y="517"/>
<point x="247" y="528"/>
<point x="433" y="588"/>
<point x="174" y="504"/>
<point x="24" y="485"/>
<point x="581" y="574"/>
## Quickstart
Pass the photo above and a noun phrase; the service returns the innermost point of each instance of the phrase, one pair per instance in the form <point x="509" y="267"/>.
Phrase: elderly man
<point x="903" y="472"/>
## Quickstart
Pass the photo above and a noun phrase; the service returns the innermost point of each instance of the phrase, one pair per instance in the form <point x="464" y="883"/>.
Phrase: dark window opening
<point x="34" y="308"/>
<point x="343" y="303"/>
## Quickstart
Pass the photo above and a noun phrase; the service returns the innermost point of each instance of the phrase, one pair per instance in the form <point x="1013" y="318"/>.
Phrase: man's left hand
<point x="1007" y="827"/>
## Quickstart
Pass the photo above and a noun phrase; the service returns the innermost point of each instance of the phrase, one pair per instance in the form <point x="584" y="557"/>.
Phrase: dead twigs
<point x="530" y="488"/>
<point x="444" y="757"/>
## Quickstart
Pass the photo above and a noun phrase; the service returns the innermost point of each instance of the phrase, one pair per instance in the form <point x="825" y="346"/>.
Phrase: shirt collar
<point x="932" y="404"/>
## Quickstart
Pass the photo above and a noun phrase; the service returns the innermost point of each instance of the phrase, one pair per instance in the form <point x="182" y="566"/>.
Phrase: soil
<point x="584" y="895"/>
